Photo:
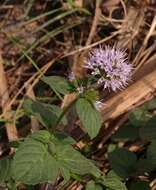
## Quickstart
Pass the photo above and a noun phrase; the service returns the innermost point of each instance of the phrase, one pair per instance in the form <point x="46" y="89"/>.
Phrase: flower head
<point x="110" y="66"/>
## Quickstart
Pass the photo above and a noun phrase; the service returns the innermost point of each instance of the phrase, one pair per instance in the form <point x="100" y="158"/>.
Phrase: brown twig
<point x="143" y="47"/>
<point x="94" y="23"/>
<point x="91" y="45"/>
<point x="78" y="65"/>
<point x="111" y="130"/>
<point x="10" y="127"/>
<point x="34" y="122"/>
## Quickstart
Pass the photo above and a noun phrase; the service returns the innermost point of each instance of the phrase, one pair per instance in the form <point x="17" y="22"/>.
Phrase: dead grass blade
<point x="10" y="127"/>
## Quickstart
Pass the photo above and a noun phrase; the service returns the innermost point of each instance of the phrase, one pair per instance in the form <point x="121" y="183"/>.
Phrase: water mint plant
<point x="62" y="124"/>
<point x="53" y="155"/>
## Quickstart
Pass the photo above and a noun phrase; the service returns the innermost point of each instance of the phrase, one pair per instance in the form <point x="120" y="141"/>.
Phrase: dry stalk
<point x="10" y="127"/>
<point x="34" y="81"/>
<point x="78" y="65"/>
<point x="91" y="45"/>
<point x="95" y="23"/>
<point x="34" y="122"/>
<point x="143" y="47"/>
<point x="131" y="27"/>
<point x="127" y="99"/>
<point x="75" y="186"/>
<point x="31" y="82"/>
<point x="147" y="53"/>
<point x="153" y="184"/>
<point x="111" y="130"/>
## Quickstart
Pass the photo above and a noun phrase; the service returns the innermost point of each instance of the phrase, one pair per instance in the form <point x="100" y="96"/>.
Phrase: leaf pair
<point x="49" y="114"/>
<point x="43" y="157"/>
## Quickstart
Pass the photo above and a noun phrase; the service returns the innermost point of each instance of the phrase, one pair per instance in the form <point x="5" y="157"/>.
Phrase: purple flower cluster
<point x="111" y="66"/>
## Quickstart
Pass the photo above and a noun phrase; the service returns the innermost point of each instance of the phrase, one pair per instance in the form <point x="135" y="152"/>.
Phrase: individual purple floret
<point x="98" y="105"/>
<point x="110" y="66"/>
<point x="72" y="76"/>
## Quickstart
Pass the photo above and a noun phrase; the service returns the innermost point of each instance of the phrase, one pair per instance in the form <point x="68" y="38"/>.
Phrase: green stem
<point x="65" y="111"/>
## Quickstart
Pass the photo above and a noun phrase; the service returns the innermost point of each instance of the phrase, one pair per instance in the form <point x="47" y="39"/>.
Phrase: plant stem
<point x="64" y="111"/>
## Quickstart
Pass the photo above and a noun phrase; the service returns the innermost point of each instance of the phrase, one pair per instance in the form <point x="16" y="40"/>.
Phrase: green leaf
<point x="57" y="84"/>
<point x="140" y="185"/>
<point x="139" y="116"/>
<point x="148" y="132"/>
<point x="11" y="185"/>
<point x="5" y="168"/>
<point x="42" y="157"/>
<point x="30" y="187"/>
<point x="57" y="111"/>
<point x="123" y="162"/>
<point x="113" y="182"/>
<point x="89" y="116"/>
<point x="151" y="104"/>
<point x="75" y="162"/>
<point x="65" y="174"/>
<point x="92" y="95"/>
<point x="112" y="174"/>
<point x="98" y="187"/>
<point x="143" y="165"/>
<point x="90" y="185"/>
<point x="63" y="139"/>
<point x="151" y="152"/>
<point x="16" y="143"/>
<point x="151" y="157"/>
<point x="42" y="136"/>
<point x="148" y="164"/>
<point x="127" y="132"/>
<point x="45" y="113"/>
<point x="111" y="147"/>
<point x="33" y="164"/>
